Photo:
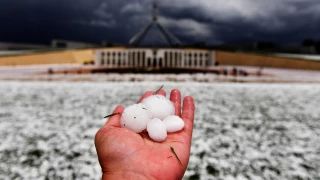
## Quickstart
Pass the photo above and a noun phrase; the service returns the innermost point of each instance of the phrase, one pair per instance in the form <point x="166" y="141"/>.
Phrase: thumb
<point x="115" y="120"/>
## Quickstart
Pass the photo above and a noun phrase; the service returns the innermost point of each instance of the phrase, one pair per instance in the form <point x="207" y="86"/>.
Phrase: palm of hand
<point x="128" y="155"/>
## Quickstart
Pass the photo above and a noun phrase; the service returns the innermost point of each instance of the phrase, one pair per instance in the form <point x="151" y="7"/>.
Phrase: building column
<point x="201" y="59"/>
<point x="168" y="59"/>
<point x="131" y="59"/>
<point x="111" y="59"/>
<point x="125" y="58"/>
<point x="140" y="58"/>
<point x="121" y="59"/>
<point x="212" y="58"/>
<point x="192" y="59"/>
<point x="116" y="59"/>
<point x="182" y="58"/>
<point x="173" y="62"/>
<point x="172" y="58"/>
<point x="125" y="63"/>
<point x="135" y="58"/>
<point x="98" y="58"/>
<point x="146" y="60"/>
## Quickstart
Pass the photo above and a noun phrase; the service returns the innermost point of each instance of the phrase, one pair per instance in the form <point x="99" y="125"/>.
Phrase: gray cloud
<point x="102" y="11"/>
<point x="133" y="8"/>
<point x="218" y="21"/>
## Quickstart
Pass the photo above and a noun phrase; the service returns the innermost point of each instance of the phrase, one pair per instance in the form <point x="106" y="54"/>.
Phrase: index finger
<point x="175" y="98"/>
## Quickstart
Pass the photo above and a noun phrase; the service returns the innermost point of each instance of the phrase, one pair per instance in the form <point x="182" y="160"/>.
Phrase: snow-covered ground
<point x="242" y="131"/>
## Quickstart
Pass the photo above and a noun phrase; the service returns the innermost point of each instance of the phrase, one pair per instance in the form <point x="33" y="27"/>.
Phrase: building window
<point x="200" y="60"/>
<point x="143" y="62"/>
<point x="119" y="62"/>
<point x="133" y="59"/>
<point x="154" y="62"/>
<point x="144" y="58"/>
<point x="160" y="62"/>
<point x="149" y="62"/>
<point x="165" y="59"/>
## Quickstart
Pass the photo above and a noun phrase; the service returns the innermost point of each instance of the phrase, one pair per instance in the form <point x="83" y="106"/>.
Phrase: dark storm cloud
<point x="219" y="21"/>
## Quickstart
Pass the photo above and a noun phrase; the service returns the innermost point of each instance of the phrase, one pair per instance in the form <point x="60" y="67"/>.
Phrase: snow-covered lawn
<point x="242" y="131"/>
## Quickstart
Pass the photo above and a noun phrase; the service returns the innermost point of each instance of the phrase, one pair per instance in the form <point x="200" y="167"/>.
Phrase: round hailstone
<point x="157" y="130"/>
<point x="159" y="106"/>
<point x="135" y="117"/>
<point x="173" y="123"/>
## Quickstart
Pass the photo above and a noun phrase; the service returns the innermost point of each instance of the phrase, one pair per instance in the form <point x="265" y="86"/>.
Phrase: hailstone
<point x="135" y="117"/>
<point x="157" y="130"/>
<point x="173" y="123"/>
<point x="159" y="106"/>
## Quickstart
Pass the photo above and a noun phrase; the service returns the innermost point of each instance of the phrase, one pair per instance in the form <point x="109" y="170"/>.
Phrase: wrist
<point x="124" y="176"/>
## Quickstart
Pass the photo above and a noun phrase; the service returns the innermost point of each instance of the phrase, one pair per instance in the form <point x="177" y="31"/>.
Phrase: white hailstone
<point x="173" y="123"/>
<point x="135" y="117"/>
<point x="157" y="130"/>
<point x="159" y="106"/>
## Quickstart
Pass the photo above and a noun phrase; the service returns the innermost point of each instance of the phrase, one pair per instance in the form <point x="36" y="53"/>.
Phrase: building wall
<point x="59" y="57"/>
<point x="246" y="59"/>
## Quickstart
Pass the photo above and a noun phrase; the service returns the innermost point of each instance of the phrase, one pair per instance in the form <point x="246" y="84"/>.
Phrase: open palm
<point x="124" y="154"/>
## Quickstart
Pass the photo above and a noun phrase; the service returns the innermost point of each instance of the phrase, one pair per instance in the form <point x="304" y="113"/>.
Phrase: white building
<point x="154" y="57"/>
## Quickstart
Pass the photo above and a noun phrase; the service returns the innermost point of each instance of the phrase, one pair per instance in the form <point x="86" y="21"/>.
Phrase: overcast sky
<point x="213" y="21"/>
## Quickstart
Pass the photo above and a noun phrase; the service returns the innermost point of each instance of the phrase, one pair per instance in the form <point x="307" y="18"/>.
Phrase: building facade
<point x="154" y="58"/>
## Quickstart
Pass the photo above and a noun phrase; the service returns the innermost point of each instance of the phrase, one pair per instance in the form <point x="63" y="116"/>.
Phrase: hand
<point x="124" y="154"/>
